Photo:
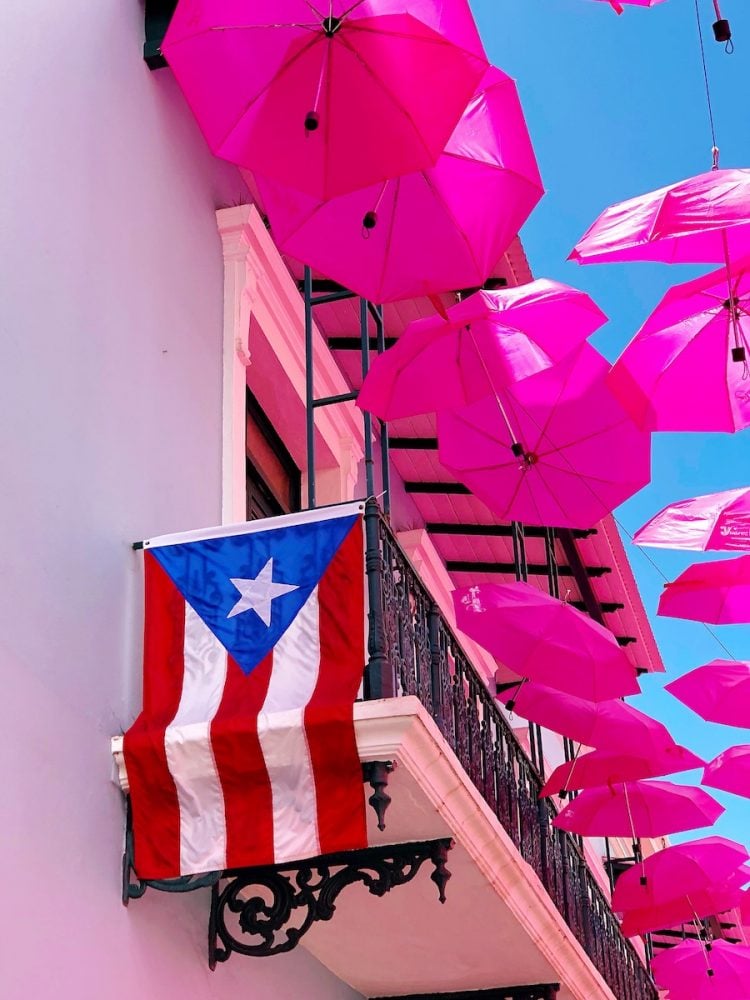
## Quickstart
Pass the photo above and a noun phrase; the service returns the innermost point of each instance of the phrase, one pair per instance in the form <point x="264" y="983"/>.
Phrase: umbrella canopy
<point x="638" y="809"/>
<point x="675" y="873"/>
<point x="607" y="725"/>
<point x="715" y="592"/>
<point x="718" y="691"/>
<point x="540" y="637"/>
<point x="326" y="102"/>
<point x="435" y="230"/>
<point x="617" y="7"/>
<point x="692" y="972"/>
<point x="717" y="522"/>
<point x="605" y="767"/>
<point x="700" y="220"/>
<point x="554" y="449"/>
<point x="694" y="345"/>
<point x="696" y="906"/>
<point x="730" y="771"/>
<point x="487" y="342"/>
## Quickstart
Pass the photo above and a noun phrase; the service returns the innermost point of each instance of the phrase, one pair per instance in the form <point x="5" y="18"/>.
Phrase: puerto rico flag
<point x="254" y="649"/>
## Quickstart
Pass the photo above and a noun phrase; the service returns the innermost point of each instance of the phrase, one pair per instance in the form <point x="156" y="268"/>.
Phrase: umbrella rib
<point x="386" y="91"/>
<point x="441" y="200"/>
<point x="284" y="68"/>
<point x="389" y="237"/>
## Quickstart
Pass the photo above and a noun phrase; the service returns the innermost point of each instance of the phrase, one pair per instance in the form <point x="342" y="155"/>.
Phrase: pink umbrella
<point x="540" y="637"/>
<point x="440" y="229"/>
<point x="718" y="691"/>
<point x="716" y="521"/>
<point x="692" y="971"/>
<point x="715" y="592"/>
<point x="605" y="767"/>
<point x="671" y="875"/>
<point x="694" y="345"/>
<point x="487" y="342"/>
<point x="638" y="809"/>
<point x="326" y="97"/>
<point x="554" y="449"/>
<point x="617" y="7"/>
<point x="608" y="725"/>
<point x="730" y="771"/>
<point x="698" y="905"/>
<point x="703" y="219"/>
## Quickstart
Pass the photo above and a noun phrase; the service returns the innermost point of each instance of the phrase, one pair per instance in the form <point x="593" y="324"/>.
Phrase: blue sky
<point x="616" y="106"/>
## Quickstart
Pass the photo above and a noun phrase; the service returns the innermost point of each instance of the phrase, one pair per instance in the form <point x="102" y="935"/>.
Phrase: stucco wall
<point x="110" y="339"/>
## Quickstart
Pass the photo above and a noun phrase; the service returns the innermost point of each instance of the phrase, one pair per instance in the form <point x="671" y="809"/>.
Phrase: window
<point x="273" y="480"/>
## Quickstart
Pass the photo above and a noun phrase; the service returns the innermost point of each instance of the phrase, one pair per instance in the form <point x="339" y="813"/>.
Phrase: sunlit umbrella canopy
<point x="607" y="725"/>
<point x="675" y="873"/>
<point x="487" y="342"/>
<point x="638" y="809"/>
<point x="555" y="449"/>
<point x="700" y="220"/>
<point x="437" y="230"/>
<point x="326" y="97"/>
<point x="694" y="346"/>
<point x="541" y="637"/>
<point x="730" y="771"/>
<point x="714" y="522"/>
<point x="692" y="972"/>
<point x="718" y="691"/>
<point x="716" y="592"/>
<point x="605" y="767"/>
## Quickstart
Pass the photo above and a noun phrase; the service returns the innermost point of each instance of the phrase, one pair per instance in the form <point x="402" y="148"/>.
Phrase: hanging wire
<point x="714" y="147"/>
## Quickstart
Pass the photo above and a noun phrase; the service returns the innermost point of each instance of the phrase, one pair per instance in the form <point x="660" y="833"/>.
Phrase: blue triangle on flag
<point x="203" y="572"/>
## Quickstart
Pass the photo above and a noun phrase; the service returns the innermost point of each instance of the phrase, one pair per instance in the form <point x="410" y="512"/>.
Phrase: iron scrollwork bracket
<point x="261" y="902"/>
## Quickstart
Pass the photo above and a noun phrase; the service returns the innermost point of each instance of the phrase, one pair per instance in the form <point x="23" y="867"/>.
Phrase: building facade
<point x="156" y="381"/>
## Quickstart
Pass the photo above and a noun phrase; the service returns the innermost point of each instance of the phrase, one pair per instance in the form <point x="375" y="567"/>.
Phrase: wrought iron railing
<point x="413" y="651"/>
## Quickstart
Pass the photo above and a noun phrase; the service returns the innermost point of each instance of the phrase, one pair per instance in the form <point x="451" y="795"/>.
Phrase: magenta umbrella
<point x="555" y="449"/>
<point x="487" y="342"/>
<point x="436" y="230"/>
<point x="716" y="521"/>
<point x="700" y="904"/>
<point x="605" y="767"/>
<point x="616" y="5"/>
<point x="718" y="691"/>
<point x="607" y="725"/>
<point x="716" y="592"/>
<point x="674" y="874"/>
<point x="702" y="220"/>
<point x="326" y="97"/>
<point x="638" y="809"/>
<point x="730" y="771"/>
<point x="694" y="345"/>
<point x="539" y="637"/>
<point x="693" y="971"/>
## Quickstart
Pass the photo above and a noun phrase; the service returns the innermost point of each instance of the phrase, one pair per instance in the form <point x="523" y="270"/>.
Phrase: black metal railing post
<point x="379" y="675"/>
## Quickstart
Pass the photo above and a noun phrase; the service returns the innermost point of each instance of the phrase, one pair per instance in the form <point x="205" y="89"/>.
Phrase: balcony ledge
<point x="499" y="925"/>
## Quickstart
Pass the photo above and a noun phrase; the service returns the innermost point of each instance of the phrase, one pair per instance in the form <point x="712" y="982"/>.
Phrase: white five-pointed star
<point x="257" y="594"/>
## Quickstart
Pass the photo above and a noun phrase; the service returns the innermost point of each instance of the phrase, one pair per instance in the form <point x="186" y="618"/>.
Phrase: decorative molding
<point x="258" y="286"/>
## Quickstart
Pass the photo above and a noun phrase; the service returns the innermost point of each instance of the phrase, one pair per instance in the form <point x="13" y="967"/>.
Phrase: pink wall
<point x="112" y="303"/>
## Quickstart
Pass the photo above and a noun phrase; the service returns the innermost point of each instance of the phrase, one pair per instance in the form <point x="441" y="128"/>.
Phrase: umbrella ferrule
<point x="331" y="25"/>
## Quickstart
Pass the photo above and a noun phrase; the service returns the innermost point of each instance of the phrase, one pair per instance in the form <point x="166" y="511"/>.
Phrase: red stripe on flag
<point x="156" y="813"/>
<point x="329" y="722"/>
<point x="241" y="767"/>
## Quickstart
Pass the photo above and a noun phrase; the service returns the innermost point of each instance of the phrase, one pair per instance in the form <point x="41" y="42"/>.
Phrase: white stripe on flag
<point x="296" y="664"/>
<point x="187" y="742"/>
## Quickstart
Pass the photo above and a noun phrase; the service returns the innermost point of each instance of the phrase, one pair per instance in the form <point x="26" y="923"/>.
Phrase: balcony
<point x="415" y="656"/>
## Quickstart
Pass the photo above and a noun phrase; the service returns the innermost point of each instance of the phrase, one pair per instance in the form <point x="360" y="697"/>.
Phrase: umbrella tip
<point x="312" y="121"/>
<point x="370" y="220"/>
